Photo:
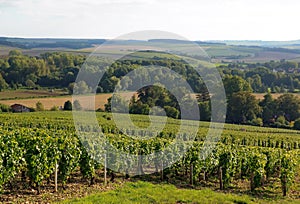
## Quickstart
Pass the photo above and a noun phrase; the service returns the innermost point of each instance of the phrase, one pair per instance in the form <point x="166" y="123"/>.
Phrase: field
<point x="4" y="50"/>
<point x="31" y="98"/>
<point x="25" y="94"/>
<point x="232" y="51"/>
<point x="218" y="52"/>
<point x="35" y="136"/>
<point x="260" y="96"/>
<point x="49" y="99"/>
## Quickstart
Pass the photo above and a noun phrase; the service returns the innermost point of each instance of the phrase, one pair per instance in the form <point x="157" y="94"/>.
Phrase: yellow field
<point x="260" y="96"/>
<point x="48" y="103"/>
<point x="88" y="102"/>
<point x="85" y="101"/>
<point x="22" y="94"/>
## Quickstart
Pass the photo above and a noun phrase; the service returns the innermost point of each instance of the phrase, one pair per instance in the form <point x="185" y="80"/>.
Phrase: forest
<point x="59" y="69"/>
<point x="240" y="79"/>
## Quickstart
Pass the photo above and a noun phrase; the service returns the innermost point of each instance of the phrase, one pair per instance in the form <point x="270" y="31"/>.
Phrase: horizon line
<point x="108" y="38"/>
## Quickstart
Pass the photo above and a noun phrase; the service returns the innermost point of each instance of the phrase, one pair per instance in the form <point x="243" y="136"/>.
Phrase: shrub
<point x="39" y="106"/>
<point x="171" y="112"/>
<point x="68" y="106"/>
<point x="54" y="108"/>
<point x="4" y="108"/>
<point x="77" y="105"/>
<point x="281" y="119"/>
<point x="257" y="122"/>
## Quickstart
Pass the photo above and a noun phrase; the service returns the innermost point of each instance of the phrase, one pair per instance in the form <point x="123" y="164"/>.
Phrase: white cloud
<point x="9" y="3"/>
<point x="103" y="2"/>
<point x="194" y="19"/>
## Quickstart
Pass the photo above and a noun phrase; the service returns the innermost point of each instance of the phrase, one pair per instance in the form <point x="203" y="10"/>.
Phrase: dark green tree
<point x="68" y="105"/>
<point x="171" y="112"/>
<point x="234" y="84"/>
<point x="205" y="111"/>
<point x="3" y="84"/>
<point x="288" y="105"/>
<point x="242" y="108"/>
<point x="268" y="109"/>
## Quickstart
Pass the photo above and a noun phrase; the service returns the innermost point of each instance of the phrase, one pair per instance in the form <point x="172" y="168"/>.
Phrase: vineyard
<point x="40" y="148"/>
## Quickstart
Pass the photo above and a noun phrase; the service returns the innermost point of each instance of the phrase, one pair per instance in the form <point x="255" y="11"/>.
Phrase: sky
<point x="192" y="19"/>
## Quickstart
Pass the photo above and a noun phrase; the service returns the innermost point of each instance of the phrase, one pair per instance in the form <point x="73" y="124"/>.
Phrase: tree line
<point x="242" y="105"/>
<point x="47" y="70"/>
<point x="59" y="69"/>
<point x="275" y="76"/>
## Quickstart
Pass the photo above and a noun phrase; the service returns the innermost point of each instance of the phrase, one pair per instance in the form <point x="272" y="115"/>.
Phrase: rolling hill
<point x="248" y="51"/>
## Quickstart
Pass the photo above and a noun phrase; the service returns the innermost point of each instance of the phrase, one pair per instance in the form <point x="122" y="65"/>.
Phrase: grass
<point x="145" y="192"/>
<point x="226" y="51"/>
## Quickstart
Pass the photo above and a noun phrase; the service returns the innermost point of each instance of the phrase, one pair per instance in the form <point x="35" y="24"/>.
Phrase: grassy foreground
<point x="144" y="192"/>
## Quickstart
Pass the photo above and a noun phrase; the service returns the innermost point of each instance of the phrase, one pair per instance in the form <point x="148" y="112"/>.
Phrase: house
<point x="18" y="108"/>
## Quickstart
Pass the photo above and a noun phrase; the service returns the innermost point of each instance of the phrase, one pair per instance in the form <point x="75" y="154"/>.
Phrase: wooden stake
<point x="55" y="176"/>
<point x="191" y="174"/>
<point x="105" y="172"/>
<point x="221" y="178"/>
<point x="162" y="170"/>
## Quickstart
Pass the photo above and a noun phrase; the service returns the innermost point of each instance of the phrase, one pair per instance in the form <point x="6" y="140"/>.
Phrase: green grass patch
<point x="144" y="192"/>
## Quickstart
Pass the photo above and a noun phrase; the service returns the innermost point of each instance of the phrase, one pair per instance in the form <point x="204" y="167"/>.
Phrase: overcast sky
<point x="193" y="19"/>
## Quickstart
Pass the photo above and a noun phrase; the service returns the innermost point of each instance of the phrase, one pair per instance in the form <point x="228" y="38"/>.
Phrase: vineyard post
<point x="191" y="173"/>
<point x="252" y="184"/>
<point x="55" y="176"/>
<point x="139" y="172"/>
<point x="162" y="170"/>
<point x="284" y="186"/>
<point x="221" y="178"/>
<point x="140" y="163"/>
<point x="105" y="172"/>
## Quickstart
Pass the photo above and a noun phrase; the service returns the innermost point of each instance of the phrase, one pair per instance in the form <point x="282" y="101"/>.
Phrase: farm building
<point x="18" y="108"/>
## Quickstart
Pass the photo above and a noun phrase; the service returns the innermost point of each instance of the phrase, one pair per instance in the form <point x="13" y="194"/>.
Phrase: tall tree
<point x="3" y="84"/>
<point x="288" y="105"/>
<point x="268" y="108"/>
<point x="242" y="107"/>
<point x="81" y="88"/>
<point x="68" y="105"/>
<point x="234" y="84"/>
